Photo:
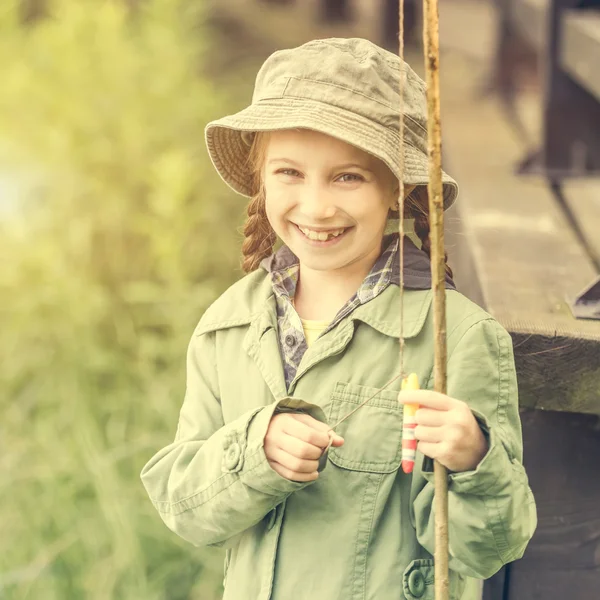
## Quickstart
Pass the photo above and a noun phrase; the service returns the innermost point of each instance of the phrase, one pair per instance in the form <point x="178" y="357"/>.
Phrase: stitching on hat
<point x="373" y="137"/>
<point x="336" y="85"/>
<point x="394" y="64"/>
<point x="275" y="117"/>
<point x="280" y="92"/>
<point x="341" y="87"/>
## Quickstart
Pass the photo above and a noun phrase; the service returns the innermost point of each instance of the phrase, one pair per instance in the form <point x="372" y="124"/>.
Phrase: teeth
<point x="321" y="236"/>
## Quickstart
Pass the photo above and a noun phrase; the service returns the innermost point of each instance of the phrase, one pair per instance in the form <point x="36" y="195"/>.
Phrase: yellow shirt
<point x="313" y="329"/>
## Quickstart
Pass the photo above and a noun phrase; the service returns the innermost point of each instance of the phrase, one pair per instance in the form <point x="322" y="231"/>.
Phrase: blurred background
<point x="116" y="234"/>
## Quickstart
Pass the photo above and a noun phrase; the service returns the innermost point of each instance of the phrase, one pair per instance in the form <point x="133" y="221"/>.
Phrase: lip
<point x="326" y="243"/>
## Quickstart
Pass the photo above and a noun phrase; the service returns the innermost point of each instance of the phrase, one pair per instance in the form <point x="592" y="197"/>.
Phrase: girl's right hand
<point x="294" y="443"/>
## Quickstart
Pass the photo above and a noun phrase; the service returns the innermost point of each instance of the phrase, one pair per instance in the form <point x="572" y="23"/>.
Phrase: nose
<point x="317" y="204"/>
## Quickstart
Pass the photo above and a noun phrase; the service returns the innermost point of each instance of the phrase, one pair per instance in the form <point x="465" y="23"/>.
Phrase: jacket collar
<point x="251" y="300"/>
<point x="382" y="314"/>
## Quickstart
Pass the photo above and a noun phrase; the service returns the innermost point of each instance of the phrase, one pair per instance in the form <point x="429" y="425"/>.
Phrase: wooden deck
<point x="522" y="252"/>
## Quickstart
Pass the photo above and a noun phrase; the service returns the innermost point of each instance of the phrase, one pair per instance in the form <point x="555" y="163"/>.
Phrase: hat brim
<point x="229" y="152"/>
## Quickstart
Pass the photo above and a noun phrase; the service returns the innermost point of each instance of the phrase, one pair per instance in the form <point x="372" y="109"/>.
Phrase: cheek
<point x="276" y="211"/>
<point x="277" y="202"/>
<point x="373" y="212"/>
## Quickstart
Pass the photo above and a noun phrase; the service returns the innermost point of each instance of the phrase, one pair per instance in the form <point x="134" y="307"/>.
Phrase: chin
<point x="317" y="263"/>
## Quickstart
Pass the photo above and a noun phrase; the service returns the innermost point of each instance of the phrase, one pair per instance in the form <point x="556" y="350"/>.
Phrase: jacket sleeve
<point x="214" y="481"/>
<point x="491" y="510"/>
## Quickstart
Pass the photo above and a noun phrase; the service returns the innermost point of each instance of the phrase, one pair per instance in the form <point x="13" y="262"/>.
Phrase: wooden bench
<point x="526" y="242"/>
<point x="530" y="245"/>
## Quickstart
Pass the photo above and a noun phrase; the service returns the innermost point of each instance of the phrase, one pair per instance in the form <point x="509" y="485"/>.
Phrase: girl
<point x="312" y="331"/>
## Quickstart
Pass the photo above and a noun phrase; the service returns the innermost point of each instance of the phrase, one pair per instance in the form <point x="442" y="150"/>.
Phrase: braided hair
<point x="417" y="207"/>
<point x="259" y="237"/>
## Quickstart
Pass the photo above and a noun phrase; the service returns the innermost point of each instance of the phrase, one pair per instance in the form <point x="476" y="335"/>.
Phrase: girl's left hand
<point x="446" y="430"/>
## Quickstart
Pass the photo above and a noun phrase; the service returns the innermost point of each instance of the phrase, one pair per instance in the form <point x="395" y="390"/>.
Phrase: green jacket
<point x="364" y="529"/>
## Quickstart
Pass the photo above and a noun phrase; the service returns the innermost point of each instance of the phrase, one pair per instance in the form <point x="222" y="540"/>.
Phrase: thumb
<point x="338" y="440"/>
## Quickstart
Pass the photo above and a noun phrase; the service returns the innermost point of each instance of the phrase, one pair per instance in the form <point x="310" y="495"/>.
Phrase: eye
<point x="288" y="172"/>
<point x="350" y="178"/>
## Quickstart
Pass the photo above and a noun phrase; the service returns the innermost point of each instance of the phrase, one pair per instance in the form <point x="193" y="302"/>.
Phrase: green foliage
<point x="118" y="238"/>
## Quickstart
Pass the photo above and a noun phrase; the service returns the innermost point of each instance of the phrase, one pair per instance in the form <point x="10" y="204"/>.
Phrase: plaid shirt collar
<point x="284" y="268"/>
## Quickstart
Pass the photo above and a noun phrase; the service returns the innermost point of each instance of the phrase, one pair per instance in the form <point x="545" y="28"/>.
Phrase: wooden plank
<point x="530" y="17"/>
<point x="561" y="560"/>
<point x="514" y="221"/>
<point x="527" y="260"/>
<point x="580" y="52"/>
<point x="561" y="458"/>
<point x="583" y="200"/>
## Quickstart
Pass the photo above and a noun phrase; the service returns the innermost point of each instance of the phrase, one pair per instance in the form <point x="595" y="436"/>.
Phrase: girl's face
<point x="327" y="200"/>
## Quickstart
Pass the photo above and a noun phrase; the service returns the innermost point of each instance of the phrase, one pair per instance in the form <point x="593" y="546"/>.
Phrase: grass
<point x="119" y="235"/>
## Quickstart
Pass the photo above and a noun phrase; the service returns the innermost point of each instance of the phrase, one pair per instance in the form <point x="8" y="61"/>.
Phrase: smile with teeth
<point x="321" y="236"/>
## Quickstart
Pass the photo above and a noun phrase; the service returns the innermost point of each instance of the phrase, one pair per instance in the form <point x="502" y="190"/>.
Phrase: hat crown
<point x="353" y="75"/>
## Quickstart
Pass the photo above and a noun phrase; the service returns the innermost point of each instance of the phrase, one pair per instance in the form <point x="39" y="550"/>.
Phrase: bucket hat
<point x="346" y="88"/>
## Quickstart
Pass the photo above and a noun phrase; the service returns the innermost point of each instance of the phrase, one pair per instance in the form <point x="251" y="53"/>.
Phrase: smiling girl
<point x="312" y="331"/>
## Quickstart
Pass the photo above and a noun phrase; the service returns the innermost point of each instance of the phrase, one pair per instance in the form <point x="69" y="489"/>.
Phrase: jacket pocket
<point x="373" y="435"/>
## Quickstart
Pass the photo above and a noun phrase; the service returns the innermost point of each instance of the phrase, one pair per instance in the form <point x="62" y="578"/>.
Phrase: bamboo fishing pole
<point x="438" y="263"/>
<point x="438" y="275"/>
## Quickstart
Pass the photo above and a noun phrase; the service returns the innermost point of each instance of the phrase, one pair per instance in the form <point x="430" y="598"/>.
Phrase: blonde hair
<point x="259" y="237"/>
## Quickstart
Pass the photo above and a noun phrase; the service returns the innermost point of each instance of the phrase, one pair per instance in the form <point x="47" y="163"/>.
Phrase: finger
<point x="299" y="428"/>
<point x="293" y="463"/>
<point x="292" y="475"/>
<point x="303" y="427"/>
<point x="427" y="399"/>
<point x="429" y="434"/>
<point x="337" y="441"/>
<point x="299" y="448"/>
<point x="310" y="421"/>
<point x="430" y="417"/>
<point x="430" y="449"/>
<point x="318" y="425"/>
